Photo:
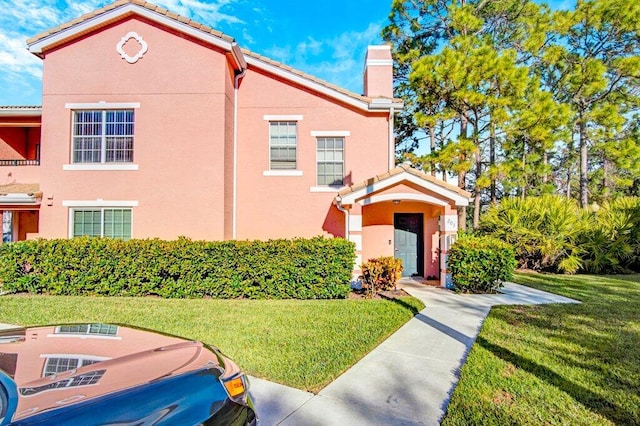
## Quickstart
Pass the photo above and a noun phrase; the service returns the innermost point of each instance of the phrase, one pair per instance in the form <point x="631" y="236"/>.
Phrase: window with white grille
<point x="330" y="161"/>
<point x="102" y="222"/>
<point x="283" y="143"/>
<point x="103" y="136"/>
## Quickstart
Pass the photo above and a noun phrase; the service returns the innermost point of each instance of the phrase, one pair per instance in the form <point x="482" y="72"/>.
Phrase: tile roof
<point x="20" y="107"/>
<point x="20" y="188"/>
<point x="118" y="3"/>
<point x="403" y="168"/>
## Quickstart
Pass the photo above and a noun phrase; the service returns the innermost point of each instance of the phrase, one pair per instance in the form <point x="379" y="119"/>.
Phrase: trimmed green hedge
<point x="480" y="264"/>
<point x="316" y="268"/>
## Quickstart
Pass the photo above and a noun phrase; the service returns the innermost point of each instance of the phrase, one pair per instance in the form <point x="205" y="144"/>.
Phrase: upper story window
<point x="103" y="136"/>
<point x="330" y="161"/>
<point x="283" y="143"/>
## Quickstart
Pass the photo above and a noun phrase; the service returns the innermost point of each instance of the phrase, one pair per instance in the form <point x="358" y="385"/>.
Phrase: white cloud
<point x="279" y="53"/>
<point x="15" y="58"/>
<point x="309" y="46"/>
<point x="246" y="37"/>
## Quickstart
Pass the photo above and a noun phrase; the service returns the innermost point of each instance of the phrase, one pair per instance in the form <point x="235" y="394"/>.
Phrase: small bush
<point x="316" y="268"/>
<point x="382" y="273"/>
<point x="480" y="264"/>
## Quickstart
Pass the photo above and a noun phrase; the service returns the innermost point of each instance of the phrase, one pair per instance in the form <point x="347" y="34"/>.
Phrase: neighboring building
<point x="153" y="125"/>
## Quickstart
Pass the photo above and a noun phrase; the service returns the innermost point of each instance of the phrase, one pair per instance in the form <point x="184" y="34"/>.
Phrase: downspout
<point x="346" y="216"/>
<point x="392" y="145"/>
<point x="236" y="84"/>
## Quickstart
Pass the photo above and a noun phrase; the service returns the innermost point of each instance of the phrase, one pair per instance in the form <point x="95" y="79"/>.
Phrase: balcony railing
<point x="19" y="162"/>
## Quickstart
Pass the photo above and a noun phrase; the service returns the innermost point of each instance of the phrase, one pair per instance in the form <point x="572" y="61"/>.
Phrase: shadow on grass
<point x="601" y="332"/>
<point x="408" y="306"/>
<point x="588" y="398"/>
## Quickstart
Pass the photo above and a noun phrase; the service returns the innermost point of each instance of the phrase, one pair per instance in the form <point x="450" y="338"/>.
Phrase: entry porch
<point x="406" y="214"/>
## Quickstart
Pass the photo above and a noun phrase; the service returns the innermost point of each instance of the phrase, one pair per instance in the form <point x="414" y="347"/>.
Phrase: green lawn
<point x="304" y="344"/>
<point x="556" y="364"/>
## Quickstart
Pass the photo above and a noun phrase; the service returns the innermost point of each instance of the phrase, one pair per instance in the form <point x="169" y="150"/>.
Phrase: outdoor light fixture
<point x="395" y="201"/>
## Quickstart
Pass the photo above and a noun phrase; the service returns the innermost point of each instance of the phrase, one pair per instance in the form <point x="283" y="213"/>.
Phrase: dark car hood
<point x="58" y="366"/>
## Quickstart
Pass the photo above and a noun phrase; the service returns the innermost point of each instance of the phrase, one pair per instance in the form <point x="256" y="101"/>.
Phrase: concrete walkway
<point x="409" y="378"/>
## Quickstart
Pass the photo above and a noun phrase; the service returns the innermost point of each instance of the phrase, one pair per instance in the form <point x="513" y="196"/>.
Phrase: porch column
<point x="355" y="236"/>
<point x="448" y="235"/>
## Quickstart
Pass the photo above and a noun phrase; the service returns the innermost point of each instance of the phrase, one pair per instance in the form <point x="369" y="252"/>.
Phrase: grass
<point x="556" y="364"/>
<point x="304" y="344"/>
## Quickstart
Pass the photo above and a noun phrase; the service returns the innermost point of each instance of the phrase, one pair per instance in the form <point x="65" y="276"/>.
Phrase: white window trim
<point x="334" y="189"/>
<point x="84" y="336"/>
<point x="76" y="356"/>
<point x="282" y="173"/>
<point x="330" y="133"/>
<point x="99" y="203"/>
<point x="282" y="117"/>
<point x="101" y="166"/>
<point x="103" y="105"/>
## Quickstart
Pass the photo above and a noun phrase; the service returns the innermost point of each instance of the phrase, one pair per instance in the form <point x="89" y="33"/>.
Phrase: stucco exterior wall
<point x="180" y="131"/>
<point x="287" y="206"/>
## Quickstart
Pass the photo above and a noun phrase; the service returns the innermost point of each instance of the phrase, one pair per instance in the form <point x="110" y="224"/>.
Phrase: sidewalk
<point x="409" y="378"/>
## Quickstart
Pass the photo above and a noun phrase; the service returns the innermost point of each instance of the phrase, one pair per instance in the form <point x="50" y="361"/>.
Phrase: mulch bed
<point x="389" y="294"/>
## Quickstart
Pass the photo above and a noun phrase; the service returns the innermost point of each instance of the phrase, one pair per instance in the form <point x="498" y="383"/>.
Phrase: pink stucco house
<point x="153" y="125"/>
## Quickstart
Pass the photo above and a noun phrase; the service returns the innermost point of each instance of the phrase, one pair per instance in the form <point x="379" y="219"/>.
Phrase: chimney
<point x="378" y="72"/>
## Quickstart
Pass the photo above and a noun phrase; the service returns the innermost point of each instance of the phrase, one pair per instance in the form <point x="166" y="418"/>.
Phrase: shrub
<point x="612" y="243"/>
<point x="317" y="268"/>
<point x="382" y="273"/>
<point x="543" y="230"/>
<point x="480" y="264"/>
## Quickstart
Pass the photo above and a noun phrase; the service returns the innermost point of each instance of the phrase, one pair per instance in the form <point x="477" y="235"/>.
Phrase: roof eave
<point x="21" y="199"/>
<point x="21" y="112"/>
<point x="38" y="46"/>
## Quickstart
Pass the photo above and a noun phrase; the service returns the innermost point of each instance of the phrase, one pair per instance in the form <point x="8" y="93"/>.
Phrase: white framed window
<point x="330" y="155"/>
<point x="59" y="364"/>
<point x="101" y="222"/>
<point x="93" y="329"/>
<point x="283" y="145"/>
<point x="102" y="136"/>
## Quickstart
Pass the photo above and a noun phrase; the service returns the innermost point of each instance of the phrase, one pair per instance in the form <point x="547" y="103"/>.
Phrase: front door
<point x="408" y="237"/>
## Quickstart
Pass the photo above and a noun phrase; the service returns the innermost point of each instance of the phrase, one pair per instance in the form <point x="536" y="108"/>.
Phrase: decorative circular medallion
<point x="120" y="47"/>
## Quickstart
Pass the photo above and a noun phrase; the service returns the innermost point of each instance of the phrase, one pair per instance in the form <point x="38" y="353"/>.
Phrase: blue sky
<point x="327" y="39"/>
